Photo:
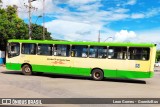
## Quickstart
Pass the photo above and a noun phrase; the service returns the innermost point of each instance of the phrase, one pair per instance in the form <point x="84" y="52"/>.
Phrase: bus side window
<point x="79" y="51"/>
<point x="117" y="52"/>
<point x="97" y="52"/>
<point x="61" y="50"/>
<point x="137" y="53"/>
<point x="28" y="48"/>
<point x="44" y="49"/>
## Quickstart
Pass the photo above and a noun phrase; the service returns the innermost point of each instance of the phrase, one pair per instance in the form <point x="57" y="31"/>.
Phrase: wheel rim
<point x="97" y="75"/>
<point x="27" y="69"/>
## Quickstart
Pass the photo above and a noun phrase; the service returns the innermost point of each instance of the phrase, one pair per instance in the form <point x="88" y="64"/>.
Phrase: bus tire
<point x="26" y="69"/>
<point x="97" y="74"/>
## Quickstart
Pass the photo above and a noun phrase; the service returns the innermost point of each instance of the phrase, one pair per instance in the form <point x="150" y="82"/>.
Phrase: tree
<point x="158" y="55"/>
<point x="12" y="27"/>
<point x="37" y="33"/>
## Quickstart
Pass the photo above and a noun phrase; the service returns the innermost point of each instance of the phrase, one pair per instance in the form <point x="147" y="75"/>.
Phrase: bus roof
<point x="85" y="43"/>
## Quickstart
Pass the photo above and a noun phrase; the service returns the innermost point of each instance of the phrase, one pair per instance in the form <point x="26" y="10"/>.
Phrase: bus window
<point x="79" y="51"/>
<point x="61" y="50"/>
<point x="136" y="53"/>
<point x="97" y="52"/>
<point x="117" y="52"/>
<point x="29" y="48"/>
<point x="13" y="50"/>
<point x="44" y="49"/>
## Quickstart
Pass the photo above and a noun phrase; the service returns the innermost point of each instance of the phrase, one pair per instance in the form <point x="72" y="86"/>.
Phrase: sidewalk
<point x="2" y="67"/>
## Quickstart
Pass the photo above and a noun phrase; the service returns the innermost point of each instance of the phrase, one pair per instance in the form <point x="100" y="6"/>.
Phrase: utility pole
<point x="43" y="19"/>
<point x="30" y="29"/>
<point x="29" y="15"/>
<point x="99" y="34"/>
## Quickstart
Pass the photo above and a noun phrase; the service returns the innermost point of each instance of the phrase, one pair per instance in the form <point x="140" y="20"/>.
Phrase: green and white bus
<point x="98" y="60"/>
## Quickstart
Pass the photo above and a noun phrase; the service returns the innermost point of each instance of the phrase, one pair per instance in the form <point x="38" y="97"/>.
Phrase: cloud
<point x="131" y="2"/>
<point x="124" y="35"/>
<point x="152" y="35"/>
<point x="22" y="10"/>
<point x="94" y="6"/>
<point x="80" y="2"/>
<point x="83" y="10"/>
<point x="82" y="19"/>
<point x="149" y="13"/>
<point x="120" y="10"/>
<point x="149" y="36"/>
<point x="137" y="16"/>
<point x="152" y="12"/>
<point x="146" y="36"/>
<point x="125" y="2"/>
<point x="68" y="30"/>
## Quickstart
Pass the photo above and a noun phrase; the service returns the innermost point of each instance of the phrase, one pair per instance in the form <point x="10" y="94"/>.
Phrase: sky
<point x="81" y="20"/>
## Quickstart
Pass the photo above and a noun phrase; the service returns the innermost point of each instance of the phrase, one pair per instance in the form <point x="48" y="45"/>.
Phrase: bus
<point x="95" y="59"/>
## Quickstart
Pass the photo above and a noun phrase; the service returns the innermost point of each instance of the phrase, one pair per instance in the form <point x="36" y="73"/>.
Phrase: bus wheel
<point x="26" y="70"/>
<point x="97" y="74"/>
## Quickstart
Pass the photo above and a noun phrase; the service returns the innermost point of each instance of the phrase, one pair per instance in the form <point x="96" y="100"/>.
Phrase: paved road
<point x="15" y="85"/>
